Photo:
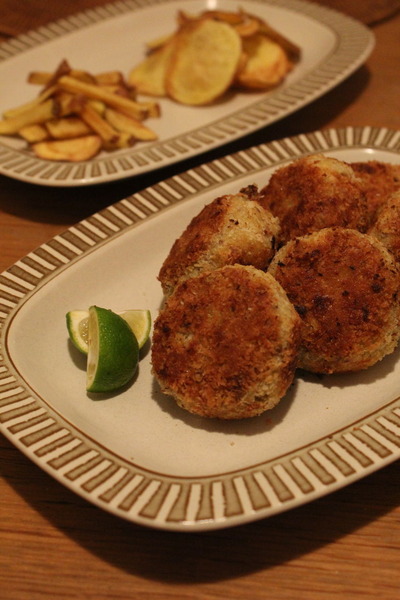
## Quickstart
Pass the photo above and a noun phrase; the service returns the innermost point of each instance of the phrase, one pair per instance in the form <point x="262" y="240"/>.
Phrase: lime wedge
<point x="139" y="320"/>
<point x="78" y="328"/>
<point x="113" y="353"/>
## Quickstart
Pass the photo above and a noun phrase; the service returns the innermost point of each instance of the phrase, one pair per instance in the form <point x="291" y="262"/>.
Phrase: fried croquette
<point x="312" y="193"/>
<point x="386" y="226"/>
<point x="378" y="181"/>
<point x="231" y="229"/>
<point x="345" y="286"/>
<point x="225" y="344"/>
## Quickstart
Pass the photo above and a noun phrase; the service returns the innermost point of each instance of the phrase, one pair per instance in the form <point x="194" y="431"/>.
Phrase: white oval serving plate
<point x="113" y="37"/>
<point x="136" y="454"/>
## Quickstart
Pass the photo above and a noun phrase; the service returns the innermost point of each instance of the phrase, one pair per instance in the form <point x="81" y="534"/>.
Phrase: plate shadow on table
<point x="190" y="558"/>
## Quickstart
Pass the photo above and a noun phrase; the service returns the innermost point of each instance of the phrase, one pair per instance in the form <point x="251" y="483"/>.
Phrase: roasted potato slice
<point x="149" y="76"/>
<point x="204" y="61"/>
<point x="74" y="150"/>
<point x="266" y="63"/>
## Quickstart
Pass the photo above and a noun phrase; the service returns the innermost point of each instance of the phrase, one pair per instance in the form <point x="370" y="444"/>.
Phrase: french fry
<point x="126" y="105"/>
<point x="36" y="115"/>
<point x="13" y="112"/>
<point x="123" y="123"/>
<point x="67" y="120"/>
<point x="39" y="77"/>
<point x="110" y="78"/>
<point x="73" y="150"/>
<point x="98" y="124"/>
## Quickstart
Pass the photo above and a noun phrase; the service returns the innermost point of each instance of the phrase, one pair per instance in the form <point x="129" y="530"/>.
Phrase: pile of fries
<point x="77" y="114"/>
<point x="211" y="53"/>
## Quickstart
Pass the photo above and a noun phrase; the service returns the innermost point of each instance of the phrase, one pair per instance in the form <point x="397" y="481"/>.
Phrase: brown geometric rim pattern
<point x="154" y="499"/>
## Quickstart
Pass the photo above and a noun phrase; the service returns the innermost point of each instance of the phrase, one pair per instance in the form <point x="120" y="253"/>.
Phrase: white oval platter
<point x="136" y="454"/>
<point x="113" y="37"/>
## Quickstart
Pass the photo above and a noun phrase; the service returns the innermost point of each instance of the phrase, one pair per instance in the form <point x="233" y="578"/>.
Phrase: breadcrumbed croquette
<point x="225" y="344"/>
<point x="231" y="229"/>
<point x="378" y="181"/>
<point x="386" y="226"/>
<point x="345" y="286"/>
<point x="312" y="193"/>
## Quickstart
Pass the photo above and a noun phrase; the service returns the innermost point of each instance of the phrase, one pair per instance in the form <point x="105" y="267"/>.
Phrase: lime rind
<point x="113" y="354"/>
<point x="139" y="320"/>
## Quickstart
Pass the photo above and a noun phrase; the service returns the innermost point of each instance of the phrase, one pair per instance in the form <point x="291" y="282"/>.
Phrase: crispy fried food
<point x="345" y="286"/>
<point x="225" y="345"/>
<point x="67" y="127"/>
<point x="266" y="63"/>
<point x="231" y="229"/>
<point x="80" y="108"/>
<point x="386" y="225"/>
<point x="204" y="62"/>
<point x="212" y="52"/>
<point x="378" y="180"/>
<point x="149" y="76"/>
<point x="72" y="150"/>
<point x="314" y="192"/>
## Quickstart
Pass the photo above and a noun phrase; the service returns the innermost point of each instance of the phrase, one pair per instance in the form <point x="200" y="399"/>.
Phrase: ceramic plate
<point x="136" y="454"/>
<point x="114" y="37"/>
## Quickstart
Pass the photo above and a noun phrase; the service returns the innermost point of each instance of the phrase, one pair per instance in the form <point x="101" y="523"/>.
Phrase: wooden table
<point x="55" y="545"/>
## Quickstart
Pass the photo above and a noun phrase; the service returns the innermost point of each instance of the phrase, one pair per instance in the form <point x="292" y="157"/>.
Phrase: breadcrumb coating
<point x="315" y="192"/>
<point x="345" y="286"/>
<point x="378" y="180"/>
<point x="233" y="229"/>
<point x="225" y="344"/>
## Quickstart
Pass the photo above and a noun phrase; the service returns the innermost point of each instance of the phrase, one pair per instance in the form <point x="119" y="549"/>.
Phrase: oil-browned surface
<point x="344" y="285"/>
<point x="315" y="192"/>
<point x="226" y="343"/>
<point x="231" y="229"/>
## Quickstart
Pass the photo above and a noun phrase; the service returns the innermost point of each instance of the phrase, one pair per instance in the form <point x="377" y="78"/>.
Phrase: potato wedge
<point x="123" y="123"/>
<point x="149" y="76"/>
<point x="34" y="133"/>
<point x="204" y="62"/>
<point x="266" y="63"/>
<point x="74" y="150"/>
<point x="67" y="127"/>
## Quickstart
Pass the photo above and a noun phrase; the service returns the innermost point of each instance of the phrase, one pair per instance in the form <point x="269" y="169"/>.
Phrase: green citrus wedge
<point x="78" y="328"/>
<point x="139" y="320"/>
<point x="113" y="353"/>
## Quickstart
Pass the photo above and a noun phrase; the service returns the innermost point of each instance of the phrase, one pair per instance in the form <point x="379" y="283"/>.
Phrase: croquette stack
<point x="301" y="274"/>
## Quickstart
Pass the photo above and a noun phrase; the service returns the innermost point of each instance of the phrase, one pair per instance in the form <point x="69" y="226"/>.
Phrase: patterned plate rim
<point x="153" y="499"/>
<point x="354" y="43"/>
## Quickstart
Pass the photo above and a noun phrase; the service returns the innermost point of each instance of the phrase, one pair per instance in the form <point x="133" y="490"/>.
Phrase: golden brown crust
<point x="378" y="180"/>
<point x="386" y="226"/>
<point x="225" y="345"/>
<point x="231" y="229"/>
<point x="344" y="285"/>
<point x="312" y="193"/>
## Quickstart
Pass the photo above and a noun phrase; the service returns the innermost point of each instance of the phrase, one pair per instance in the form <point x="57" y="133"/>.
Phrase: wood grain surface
<point x="54" y="545"/>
